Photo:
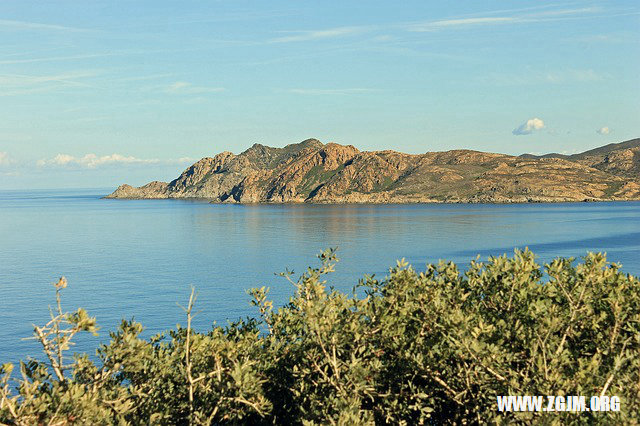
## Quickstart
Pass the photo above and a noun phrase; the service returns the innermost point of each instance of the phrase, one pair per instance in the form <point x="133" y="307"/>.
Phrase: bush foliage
<point x="417" y="347"/>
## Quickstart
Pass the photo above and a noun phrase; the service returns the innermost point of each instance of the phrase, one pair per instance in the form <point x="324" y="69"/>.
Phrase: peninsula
<point x="313" y="172"/>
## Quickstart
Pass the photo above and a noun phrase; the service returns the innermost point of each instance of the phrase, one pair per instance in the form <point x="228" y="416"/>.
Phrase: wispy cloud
<point x="244" y="15"/>
<point x="26" y="80"/>
<point x="490" y="18"/>
<point x="319" y="34"/>
<point x="573" y="75"/>
<point x="603" y="131"/>
<point x="143" y="77"/>
<point x="24" y="25"/>
<point x="92" y="161"/>
<point x="18" y="84"/>
<point x="449" y="23"/>
<point x="5" y="160"/>
<point x="538" y="77"/>
<point x="55" y="58"/>
<point x="564" y="12"/>
<point x="513" y="18"/>
<point x="529" y="127"/>
<point x="346" y="91"/>
<point x="185" y="88"/>
<point x="618" y="37"/>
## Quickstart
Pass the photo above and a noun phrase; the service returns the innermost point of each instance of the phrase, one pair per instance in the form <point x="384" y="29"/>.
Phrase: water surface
<point x="129" y="258"/>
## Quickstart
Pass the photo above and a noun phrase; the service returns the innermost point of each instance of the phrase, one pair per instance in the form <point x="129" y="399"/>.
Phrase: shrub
<point x="433" y="347"/>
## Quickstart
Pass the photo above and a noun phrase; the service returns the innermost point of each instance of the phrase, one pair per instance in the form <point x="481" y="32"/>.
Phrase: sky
<point x="97" y="93"/>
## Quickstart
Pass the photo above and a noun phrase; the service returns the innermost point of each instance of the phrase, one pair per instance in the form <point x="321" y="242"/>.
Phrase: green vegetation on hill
<point x="428" y="347"/>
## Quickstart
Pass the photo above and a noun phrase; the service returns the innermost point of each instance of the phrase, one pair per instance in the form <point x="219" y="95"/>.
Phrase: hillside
<point x="311" y="171"/>
<point x="622" y="159"/>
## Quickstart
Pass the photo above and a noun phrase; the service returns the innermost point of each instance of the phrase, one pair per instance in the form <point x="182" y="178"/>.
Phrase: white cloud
<point x="185" y="88"/>
<point x="5" y="160"/>
<point x="603" y="131"/>
<point x="528" y="127"/>
<point x="91" y="161"/>
<point x="319" y="34"/>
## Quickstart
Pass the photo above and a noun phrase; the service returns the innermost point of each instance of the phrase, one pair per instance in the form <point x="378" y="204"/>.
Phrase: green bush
<point x="417" y="347"/>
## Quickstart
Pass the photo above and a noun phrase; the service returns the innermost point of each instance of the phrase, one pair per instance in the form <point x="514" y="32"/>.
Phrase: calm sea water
<point x="138" y="259"/>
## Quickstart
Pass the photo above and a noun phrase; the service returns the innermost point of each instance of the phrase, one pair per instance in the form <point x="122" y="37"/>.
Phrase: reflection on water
<point x="138" y="258"/>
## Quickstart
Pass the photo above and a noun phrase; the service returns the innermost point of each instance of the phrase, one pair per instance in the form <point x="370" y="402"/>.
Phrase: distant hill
<point x="311" y="171"/>
<point x="621" y="159"/>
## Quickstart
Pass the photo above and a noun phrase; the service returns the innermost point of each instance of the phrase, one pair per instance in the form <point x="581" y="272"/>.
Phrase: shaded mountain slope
<point x="314" y="172"/>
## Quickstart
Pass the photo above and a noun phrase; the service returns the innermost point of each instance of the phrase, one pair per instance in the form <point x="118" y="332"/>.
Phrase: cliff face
<point x="313" y="172"/>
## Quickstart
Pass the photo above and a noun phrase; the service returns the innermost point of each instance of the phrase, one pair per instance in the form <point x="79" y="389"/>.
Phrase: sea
<point x="139" y="259"/>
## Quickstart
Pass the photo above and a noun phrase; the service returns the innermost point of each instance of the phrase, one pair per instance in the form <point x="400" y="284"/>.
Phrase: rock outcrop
<point x="314" y="172"/>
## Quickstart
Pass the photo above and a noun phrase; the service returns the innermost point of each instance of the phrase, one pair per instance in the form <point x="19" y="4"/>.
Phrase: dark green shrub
<point x="417" y="347"/>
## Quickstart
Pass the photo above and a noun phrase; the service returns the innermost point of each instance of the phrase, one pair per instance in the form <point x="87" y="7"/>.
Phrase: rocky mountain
<point x="622" y="159"/>
<point x="311" y="171"/>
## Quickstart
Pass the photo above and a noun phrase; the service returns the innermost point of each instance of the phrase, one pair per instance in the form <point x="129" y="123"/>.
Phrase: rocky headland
<point x="313" y="172"/>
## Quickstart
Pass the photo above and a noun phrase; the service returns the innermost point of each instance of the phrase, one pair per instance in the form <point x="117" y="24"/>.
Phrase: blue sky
<point x="96" y="93"/>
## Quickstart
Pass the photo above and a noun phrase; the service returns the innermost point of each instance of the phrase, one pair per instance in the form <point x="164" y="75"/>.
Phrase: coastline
<point x="391" y="203"/>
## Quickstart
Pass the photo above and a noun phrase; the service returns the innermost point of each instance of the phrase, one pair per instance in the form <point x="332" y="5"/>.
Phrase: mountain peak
<point x="307" y="143"/>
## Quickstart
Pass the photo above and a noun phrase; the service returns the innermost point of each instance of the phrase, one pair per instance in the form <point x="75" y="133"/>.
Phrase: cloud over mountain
<point x="91" y="161"/>
<point x="4" y="158"/>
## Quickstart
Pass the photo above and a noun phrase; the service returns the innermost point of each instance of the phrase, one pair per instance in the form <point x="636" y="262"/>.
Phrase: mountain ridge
<point x="622" y="159"/>
<point x="313" y="172"/>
